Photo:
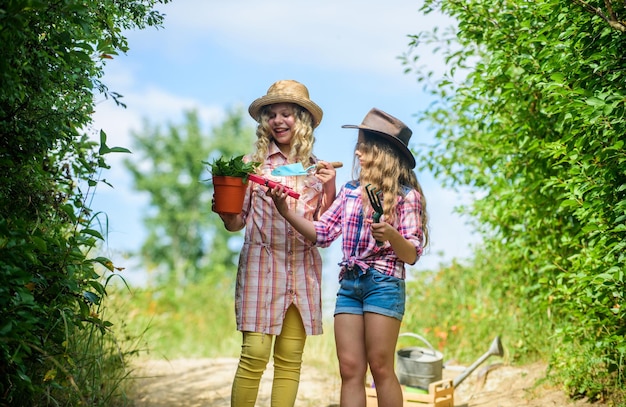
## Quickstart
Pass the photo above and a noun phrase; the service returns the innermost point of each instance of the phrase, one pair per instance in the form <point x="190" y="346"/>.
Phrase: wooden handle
<point x="335" y="164"/>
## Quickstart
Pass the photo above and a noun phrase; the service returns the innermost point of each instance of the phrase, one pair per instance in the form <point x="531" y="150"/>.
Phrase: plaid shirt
<point x="277" y="266"/>
<point x="345" y="216"/>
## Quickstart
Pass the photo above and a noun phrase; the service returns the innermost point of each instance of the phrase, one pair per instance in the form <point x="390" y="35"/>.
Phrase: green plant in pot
<point x="230" y="180"/>
<point x="232" y="167"/>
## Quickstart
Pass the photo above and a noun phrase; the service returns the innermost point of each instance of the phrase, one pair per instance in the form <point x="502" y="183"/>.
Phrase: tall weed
<point x="460" y="308"/>
<point x="195" y="321"/>
<point x="100" y="357"/>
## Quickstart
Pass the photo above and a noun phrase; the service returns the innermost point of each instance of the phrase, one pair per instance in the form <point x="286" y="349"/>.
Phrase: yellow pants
<point x="255" y="353"/>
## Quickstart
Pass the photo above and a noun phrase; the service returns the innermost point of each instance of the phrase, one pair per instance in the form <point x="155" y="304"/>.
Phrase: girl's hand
<point x="326" y="173"/>
<point x="232" y="222"/>
<point x="382" y="231"/>
<point x="228" y="218"/>
<point x="304" y="226"/>
<point x="279" y="196"/>
<point x="404" y="249"/>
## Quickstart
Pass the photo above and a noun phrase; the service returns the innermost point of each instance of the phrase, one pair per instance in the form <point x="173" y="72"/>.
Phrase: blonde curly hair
<point x="387" y="170"/>
<point x="301" y="143"/>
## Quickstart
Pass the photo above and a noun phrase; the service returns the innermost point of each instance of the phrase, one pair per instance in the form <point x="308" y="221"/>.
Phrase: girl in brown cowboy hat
<point x="371" y="297"/>
<point x="278" y="291"/>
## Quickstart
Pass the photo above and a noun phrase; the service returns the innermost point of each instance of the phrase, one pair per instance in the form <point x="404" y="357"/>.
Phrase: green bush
<point x="530" y="116"/>
<point x="51" y="287"/>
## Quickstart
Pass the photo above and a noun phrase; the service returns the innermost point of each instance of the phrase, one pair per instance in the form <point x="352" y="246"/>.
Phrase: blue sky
<point x="215" y="55"/>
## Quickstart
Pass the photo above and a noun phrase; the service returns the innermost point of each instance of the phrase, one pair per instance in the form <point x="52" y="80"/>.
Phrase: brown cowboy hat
<point x="383" y="124"/>
<point x="287" y="91"/>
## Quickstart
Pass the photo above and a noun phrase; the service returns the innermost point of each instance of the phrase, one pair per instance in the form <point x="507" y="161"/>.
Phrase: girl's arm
<point x="327" y="175"/>
<point x="232" y="223"/>
<point x="404" y="249"/>
<point x="302" y="225"/>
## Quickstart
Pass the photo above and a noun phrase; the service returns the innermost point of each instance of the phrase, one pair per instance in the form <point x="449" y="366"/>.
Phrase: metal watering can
<point x="418" y="367"/>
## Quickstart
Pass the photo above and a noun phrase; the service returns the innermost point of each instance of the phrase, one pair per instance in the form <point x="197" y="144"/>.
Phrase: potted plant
<point x="230" y="180"/>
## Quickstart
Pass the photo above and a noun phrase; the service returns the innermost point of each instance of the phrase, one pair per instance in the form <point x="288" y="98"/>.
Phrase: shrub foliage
<point x="53" y="55"/>
<point x="531" y="116"/>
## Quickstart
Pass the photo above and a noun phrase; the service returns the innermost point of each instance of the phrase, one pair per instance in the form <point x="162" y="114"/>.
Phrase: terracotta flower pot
<point x="229" y="193"/>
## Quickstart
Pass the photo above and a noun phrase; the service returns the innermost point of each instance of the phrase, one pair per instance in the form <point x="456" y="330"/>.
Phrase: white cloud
<point x="151" y="103"/>
<point x="352" y="35"/>
<point x="156" y="105"/>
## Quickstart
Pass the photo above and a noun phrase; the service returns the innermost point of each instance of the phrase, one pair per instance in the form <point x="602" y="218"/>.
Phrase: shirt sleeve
<point x="328" y="227"/>
<point x="410" y="225"/>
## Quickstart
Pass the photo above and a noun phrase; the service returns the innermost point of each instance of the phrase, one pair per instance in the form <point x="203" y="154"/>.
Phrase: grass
<point x="460" y="309"/>
<point x="177" y="324"/>
<point x="320" y="351"/>
<point x="94" y="369"/>
<point x="187" y="325"/>
<point x="454" y="312"/>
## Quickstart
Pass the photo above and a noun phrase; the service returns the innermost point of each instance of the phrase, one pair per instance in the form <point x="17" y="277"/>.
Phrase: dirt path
<point x="206" y="382"/>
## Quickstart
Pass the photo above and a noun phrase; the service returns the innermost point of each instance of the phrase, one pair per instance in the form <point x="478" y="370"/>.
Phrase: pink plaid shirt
<point x="277" y="266"/>
<point x="345" y="217"/>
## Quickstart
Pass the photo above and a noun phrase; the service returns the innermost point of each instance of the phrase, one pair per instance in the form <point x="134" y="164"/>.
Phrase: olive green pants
<point x="255" y="353"/>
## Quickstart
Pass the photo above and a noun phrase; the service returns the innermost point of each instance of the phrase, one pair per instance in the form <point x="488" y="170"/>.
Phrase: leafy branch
<point x="612" y="18"/>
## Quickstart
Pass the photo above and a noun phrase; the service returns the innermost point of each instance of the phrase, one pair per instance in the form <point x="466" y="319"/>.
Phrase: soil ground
<point x="207" y="382"/>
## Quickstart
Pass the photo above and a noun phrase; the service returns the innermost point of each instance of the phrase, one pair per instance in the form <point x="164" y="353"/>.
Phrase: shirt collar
<point x="274" y="150"/>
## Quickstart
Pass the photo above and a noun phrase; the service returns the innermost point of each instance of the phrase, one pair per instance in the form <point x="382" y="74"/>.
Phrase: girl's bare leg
<point x="350" y="343"/>
<point x="381" y="335"/>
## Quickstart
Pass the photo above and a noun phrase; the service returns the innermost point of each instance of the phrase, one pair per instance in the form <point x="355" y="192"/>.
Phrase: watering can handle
<point x="422" y="339"/>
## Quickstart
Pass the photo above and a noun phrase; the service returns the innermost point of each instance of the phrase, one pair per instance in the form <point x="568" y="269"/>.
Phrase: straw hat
<point x="287" y="91"/>
<point x="383" y="124"/>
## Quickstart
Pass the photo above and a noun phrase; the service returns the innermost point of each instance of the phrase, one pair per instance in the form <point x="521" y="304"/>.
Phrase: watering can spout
<point x="494" y="350"/>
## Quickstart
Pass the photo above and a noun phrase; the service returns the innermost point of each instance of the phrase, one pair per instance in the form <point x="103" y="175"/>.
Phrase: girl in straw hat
<point x="371" y="297"/>
<point x="278" y="291"/>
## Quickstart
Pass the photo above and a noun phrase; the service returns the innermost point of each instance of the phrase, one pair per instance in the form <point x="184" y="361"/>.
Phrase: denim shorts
<point x="371" y="292"/>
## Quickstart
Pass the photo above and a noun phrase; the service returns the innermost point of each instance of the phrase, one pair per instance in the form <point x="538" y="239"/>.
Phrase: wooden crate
<point x="440" y="394"/>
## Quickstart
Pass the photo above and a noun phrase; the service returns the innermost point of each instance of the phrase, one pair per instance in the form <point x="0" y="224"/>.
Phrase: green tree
<point x="53" y="54"/>
<point x="185" y="239"/>
<point x="531" y="115"/>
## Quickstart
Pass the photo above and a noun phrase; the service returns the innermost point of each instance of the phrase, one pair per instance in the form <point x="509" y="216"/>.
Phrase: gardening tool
<point x="271" y="184"/>
<point x="374" y="198"/>
<point x="298" y="169"/>
<point x="494" y="350"/>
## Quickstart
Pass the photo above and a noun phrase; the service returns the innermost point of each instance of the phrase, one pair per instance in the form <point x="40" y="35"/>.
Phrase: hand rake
<point x="377" y="206"/>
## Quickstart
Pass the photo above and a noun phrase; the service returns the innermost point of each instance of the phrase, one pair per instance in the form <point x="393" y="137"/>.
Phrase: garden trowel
<point x="296" y="169"/>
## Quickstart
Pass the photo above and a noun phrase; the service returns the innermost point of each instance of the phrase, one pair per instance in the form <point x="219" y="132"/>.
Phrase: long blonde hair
<point x="388" y="171"/>
<point x="301" y="143"/>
